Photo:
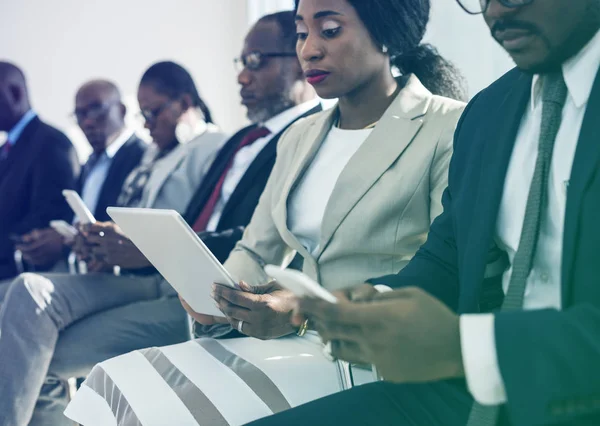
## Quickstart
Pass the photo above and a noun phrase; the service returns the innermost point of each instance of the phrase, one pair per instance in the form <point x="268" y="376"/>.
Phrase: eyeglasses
<point x="94" y="112"/>
<point x="475" y="7"/>
<point x="152" y="114"/>
<point x="256" y="60"/>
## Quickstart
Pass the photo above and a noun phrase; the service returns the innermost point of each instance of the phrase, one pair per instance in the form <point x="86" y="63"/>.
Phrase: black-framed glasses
<point x="476" y="7"/>
<point x="256" y="60"/>
<point x="152" y="114"/>
<point x="95" y="111"/>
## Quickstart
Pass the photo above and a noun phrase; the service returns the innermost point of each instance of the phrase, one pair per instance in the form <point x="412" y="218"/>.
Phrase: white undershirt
<point x="245" y="156"/>
<point x="308" y="201"/>
<point x="544" y="284"/>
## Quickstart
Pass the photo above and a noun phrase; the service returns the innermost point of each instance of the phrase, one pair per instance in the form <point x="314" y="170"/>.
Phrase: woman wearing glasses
<point x="353" y="192"/>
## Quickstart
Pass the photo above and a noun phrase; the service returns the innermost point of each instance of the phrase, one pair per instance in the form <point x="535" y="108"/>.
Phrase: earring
<point x="384" y="49"/>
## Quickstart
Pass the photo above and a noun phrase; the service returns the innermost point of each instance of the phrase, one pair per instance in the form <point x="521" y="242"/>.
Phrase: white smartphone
<point x="83" y="214"/>
<point x="298" y="283"/>
<point x="63" y="228"/>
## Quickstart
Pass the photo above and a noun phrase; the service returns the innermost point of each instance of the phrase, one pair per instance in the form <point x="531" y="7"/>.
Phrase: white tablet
<point x="176" y="252"/>
<point x="78" y="206"/>
<point x="298" y="283"/>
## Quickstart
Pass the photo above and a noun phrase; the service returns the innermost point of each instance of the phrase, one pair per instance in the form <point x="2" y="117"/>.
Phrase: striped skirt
<point x="207" y="382"/>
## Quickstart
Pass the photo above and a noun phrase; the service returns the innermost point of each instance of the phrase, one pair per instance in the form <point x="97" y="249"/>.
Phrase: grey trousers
<point x="57" y="326"/>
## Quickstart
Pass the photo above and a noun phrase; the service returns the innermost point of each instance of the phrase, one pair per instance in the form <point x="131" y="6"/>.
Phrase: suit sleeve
<point x="261" y="243"/>
<point x="222" y="243"/>
<point x="434" y="268"/>
<point x="550" y="359"/>
<point x="56" y="169"/>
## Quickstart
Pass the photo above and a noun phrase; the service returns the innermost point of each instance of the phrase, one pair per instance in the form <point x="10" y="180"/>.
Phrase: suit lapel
<point x="497" y="136"/>
<point x="585" y="164"/>
<point x="257" y="166"/>
<point x="396" y="130"/>
<point x="213" y="175"/>
<point x="314" y="137"/>
<point x="22" y="149"/>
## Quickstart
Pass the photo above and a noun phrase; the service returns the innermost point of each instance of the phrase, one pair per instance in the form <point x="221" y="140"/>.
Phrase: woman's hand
<point x="201" y="318"/>
<point x="264" y="310"/>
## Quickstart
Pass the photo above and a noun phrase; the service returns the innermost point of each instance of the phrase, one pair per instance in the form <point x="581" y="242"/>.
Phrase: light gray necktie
<point x="554" y="95"/>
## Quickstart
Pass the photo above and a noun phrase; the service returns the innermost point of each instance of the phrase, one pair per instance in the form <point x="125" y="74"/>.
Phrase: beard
<point x="269" y="109"/>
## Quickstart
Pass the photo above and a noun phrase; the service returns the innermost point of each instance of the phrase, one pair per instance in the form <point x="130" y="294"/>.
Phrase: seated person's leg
<point x="381" y="404"/>
<point x="34" y="310"/>
<point x="100" y="337"/>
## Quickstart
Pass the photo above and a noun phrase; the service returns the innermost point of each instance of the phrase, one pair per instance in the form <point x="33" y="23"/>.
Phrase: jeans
<point x="97" y="316"/>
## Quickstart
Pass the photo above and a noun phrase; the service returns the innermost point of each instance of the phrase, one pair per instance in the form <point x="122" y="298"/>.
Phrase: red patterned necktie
<point x="209" y="208"/>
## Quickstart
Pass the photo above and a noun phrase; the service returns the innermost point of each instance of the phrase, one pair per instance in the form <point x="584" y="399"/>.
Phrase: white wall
<point x="62" y="43"/>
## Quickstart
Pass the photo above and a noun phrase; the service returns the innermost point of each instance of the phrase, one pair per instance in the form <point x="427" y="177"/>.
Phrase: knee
<point x="37" y="287"/>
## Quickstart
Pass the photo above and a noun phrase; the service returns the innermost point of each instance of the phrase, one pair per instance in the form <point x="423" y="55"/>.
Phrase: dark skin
<point x="14" y="99"/>
<point x="551" y="31"/>
<point x="278" y="84"/>
<point x="103" y="245"/>
<point x="101" y="116"/>
<point x="265" y="92"/>
<point x="332" y="38"/>
<point x="372" y="328"/>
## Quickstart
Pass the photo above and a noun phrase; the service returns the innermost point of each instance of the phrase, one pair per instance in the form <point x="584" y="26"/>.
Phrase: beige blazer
<point x="383" y="202"/>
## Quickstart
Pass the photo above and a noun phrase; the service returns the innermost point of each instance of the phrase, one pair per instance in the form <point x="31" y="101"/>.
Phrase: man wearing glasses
<point x="519" y="236"/>
<point x="36" y="163"/>
<point x="100" y="114"/>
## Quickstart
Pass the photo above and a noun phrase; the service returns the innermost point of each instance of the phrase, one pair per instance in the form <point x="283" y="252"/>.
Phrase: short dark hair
<point x="173" y="80"/>
<point x="287" y="24"/>
<point x="400" y="26"/>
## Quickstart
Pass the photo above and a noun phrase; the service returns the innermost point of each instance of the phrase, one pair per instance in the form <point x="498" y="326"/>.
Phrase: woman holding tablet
<point x="353" y="192"/>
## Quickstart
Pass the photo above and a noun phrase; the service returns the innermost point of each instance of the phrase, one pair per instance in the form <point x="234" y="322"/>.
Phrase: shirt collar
<point x="579" y="72"/>
<point x="15" y="133"/>
<point x="118" y="142"/>
<point x="280" y="121"/>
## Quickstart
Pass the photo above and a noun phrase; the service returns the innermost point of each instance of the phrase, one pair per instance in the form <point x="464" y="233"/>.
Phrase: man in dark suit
<point x="116" y="152"/>
<point x="83" y="308"/>
<point x="36" y="163"/>
<point x="520" y="215"/>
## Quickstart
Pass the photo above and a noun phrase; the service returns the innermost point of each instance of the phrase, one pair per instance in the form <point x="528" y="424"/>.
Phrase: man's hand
<point x="265" y="310"/>
<point x="109" y="246"/>
<point x="42" y="247"/>
<point x="407" y="334"/>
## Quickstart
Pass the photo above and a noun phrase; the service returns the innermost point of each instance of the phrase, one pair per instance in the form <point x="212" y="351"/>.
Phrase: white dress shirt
<point x="245" y="156"/>
<point x="94" y="181"/>
<point x="309" y="200"/>
<point x="544" y="283"/>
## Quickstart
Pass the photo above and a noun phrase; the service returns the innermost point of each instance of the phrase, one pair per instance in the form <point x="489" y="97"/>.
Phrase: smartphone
<point x="63" y="228"/>
<point x="298" y="283"/>
<point x="78" y="206"/>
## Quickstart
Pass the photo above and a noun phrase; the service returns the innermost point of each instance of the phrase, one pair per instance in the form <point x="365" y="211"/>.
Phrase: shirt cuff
<point x="478" y="345"/>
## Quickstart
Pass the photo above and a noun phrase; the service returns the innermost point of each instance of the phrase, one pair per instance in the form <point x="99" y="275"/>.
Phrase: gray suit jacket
<point x="383" y="202"/>
<point x="177" y="176"/>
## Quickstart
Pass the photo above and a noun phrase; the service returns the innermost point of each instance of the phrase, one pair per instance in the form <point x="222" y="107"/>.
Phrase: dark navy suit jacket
<point x="549" y="360"/>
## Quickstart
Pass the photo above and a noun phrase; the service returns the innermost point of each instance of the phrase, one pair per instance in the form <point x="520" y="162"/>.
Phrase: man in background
<point x="276" y="95"/>
<point x="100" y="114"/>
<point x="36" y="163"/>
